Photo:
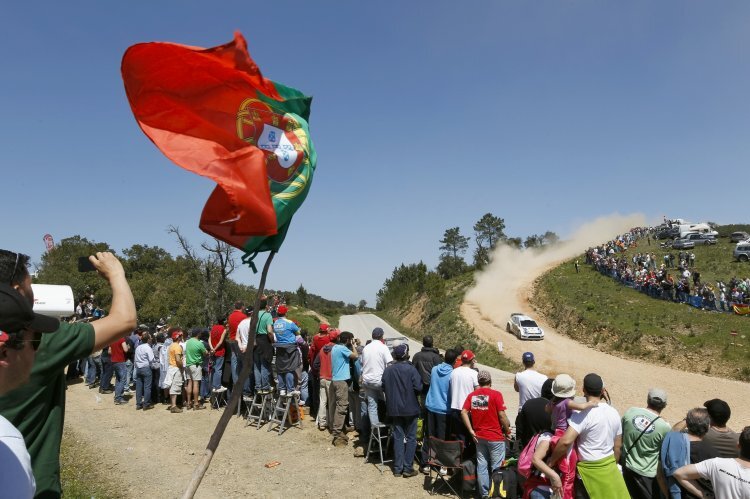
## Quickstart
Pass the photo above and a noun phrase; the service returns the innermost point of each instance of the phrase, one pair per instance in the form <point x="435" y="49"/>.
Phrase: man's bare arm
<point x="618" y="447"/>
<point x="684" y="476"/>
<point x="122" y="317"/>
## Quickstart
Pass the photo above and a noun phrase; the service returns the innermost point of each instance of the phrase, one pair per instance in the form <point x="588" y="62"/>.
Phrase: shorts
<point x="176" y="381"/>
<point x="194" y="372"/>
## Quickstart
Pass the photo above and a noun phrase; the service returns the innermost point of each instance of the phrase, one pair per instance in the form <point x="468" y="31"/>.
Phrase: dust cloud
<point x="497" y="288"/>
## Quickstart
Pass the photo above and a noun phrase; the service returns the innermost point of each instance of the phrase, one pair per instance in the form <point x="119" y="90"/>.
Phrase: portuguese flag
<point x="213" y="113"/>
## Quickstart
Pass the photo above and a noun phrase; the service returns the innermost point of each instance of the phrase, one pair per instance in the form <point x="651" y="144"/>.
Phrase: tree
<point x="533" y="241"/>
<point x="481" y="257"/>
<point x="489" y="230"/>
<point x="514" y="242"/>
<point x="549" y="237"/>
<point x="450" y="266"/>
<point x="362" y="305"/>
<point x="302" y="295"/>
<point x="453" y="243"/>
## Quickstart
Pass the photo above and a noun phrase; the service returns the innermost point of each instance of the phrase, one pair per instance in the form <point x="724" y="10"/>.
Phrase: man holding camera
<point x="37" y="408"/>
<point x="341" y="377"/>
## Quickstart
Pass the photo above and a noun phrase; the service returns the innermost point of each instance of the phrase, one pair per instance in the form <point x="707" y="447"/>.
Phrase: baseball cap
<point x="718" y="409"/>
<point x="176" y="335"/>
<point x="324" y="328"/>
<point x="282" y="309"/>
<point x="593" y="383"/>
<point x="484" y="377"/>
<point x="401" y="351"/>
<point x="377" y="333"/>
<point x="467" y="356"/>
<point x="16" y="314"/>
<point x="657" y="395"/>
<point x="333" y="334"/>
<point x="563" y="386"/>
<point x="527" y="357"/>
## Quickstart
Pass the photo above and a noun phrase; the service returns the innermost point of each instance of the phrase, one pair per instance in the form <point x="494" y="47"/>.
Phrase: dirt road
<point x="626" y="380"/>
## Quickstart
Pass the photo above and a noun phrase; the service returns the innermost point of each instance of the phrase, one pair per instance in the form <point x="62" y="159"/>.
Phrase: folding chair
<point x="445" y="454"/>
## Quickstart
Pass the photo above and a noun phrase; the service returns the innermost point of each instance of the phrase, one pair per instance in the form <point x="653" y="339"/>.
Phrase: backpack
<point x="524" y="459"/>
<point x="504" y="483"/>
<point x="469" y="475"/>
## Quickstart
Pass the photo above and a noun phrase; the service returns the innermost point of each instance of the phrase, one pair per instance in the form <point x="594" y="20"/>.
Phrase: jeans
<point x="303" y="389"/>
<point x="143" y="381"/>
<point x="364" y="420"/>
<point x="262" y="370"/>
<point x="373" y="392"/>
<point x="285" y="382"/>
<point x="105" y="382"/>
<point x="405" y="428"/>
<point x="217" y="372"/>
<point x="492" y="452"/>
<point x="540" y="494"/>
<point x="121" y="374"/>
<point x="93" y="367"/>
<point x="436" y="425"/>
<point x="130" y="373"/>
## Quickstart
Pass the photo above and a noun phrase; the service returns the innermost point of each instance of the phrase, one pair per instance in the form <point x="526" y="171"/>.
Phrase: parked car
<point x="742" y="252"/>
<point x="738" y="237"/>
<point x="391" y="343"/>
<point x="701" y="238"/>
<point x="524" y="327"/>
<point x="683" y="243"/>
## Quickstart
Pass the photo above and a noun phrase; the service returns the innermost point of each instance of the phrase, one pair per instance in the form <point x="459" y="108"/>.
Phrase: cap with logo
<point x="467" y="356"/>
<point x="16" y="314"/>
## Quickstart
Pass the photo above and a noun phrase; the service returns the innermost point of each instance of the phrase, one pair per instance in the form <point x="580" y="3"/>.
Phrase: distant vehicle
<point x="391" y="343"/>
<point x="524" y="327"/>
<point x="742" y="252"/>
<point x="667" y="233"/>
<point x="701" y="238"/>
<point x="738" y="237"/>
<point x="702" y="228"/>
<point x="682" y="244"/>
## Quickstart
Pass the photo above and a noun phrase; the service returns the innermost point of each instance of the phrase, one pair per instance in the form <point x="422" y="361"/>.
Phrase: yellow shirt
<point x="174" y="350"/>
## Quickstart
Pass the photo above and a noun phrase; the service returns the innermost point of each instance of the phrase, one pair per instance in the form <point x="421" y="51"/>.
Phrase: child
<point x="562" y="406"/>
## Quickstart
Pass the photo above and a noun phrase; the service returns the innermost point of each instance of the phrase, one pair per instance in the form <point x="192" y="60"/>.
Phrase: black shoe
<point x="105" y="392"/>
<point x="397" y="475"/>
<point x="408" y="474"/>
<point x="147" y="407"/>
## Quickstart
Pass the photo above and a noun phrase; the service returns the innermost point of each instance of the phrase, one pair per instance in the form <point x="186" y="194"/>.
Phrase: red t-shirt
<point x="318" y="342"/>
<point x="116" y="353"/>
<point x="234" y="320"/>
<point x="483" y="404"/>
<point x="216" y="333"/>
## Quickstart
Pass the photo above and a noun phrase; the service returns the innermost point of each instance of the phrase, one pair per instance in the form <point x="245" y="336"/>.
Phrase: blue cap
<point x="377" y="333"/>
<point x="527" y="357"/>
<point x="401" y="351"/>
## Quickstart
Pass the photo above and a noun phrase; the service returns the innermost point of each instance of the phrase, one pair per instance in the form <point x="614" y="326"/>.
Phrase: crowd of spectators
<point x="673" y="276"/>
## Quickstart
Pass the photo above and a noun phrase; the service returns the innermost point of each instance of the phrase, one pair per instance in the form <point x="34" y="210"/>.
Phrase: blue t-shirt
<point x="340" y="363"/>
<point x="284" y="330"/>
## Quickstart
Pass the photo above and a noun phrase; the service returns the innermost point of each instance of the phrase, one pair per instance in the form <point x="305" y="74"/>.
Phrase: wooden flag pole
<point x="247" y="366"/>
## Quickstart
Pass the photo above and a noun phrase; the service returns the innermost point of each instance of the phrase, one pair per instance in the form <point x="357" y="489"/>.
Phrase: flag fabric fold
<point x="213" y="113"/>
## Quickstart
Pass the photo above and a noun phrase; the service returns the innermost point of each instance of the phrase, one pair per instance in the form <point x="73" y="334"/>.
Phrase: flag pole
<point x="247" y="366"/>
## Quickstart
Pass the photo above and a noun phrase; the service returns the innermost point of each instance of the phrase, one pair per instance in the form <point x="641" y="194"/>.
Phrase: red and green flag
<point x="213" y="113"/>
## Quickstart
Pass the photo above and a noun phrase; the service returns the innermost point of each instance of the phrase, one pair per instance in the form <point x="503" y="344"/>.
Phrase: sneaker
<point x="199" y="407"/>
<point x="247" y="398"/>
<point x="221" y="389"/>
<point x="148" y="406"/>
<point x="408" y="474"/>
<point x="175" y="410"/>
<point x="282" y="393"/>
<point x="425" y="470"/>
<point x="340" y="442"/>
<point x="322" y="428"/>
<point x="105" y="392"/>
<point x="397" y="475"/>
<point x="138" y="407"/>
<point x="121" y="402"/>
<point x="296" y="392"/>
<point x="443" y="471"/>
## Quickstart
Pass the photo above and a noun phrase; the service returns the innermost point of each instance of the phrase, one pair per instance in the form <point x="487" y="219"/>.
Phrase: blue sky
<point x="426" y="115"/>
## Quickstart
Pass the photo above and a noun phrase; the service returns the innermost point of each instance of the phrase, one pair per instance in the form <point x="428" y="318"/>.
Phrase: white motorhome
<point x="702" y="228"/>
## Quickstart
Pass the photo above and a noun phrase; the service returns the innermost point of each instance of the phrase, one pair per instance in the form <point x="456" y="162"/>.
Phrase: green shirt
<point x="194" y="350"/>
<point x="264" y="320"/>
<point x="644" y="456"/>
<point x="37" y="408"/>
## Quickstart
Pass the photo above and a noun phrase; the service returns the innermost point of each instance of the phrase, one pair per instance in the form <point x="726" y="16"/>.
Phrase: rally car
<point x="524" y="327"/>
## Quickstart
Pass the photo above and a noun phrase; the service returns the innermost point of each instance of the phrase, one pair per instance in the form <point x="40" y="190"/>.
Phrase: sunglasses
<point x="16" y="341"/>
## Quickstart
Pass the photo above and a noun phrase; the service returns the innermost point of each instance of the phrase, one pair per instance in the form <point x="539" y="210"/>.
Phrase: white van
<point x="702" y="228"/>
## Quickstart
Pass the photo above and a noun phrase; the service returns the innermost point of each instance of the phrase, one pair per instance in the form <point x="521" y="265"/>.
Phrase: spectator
<point x="463" y="381"/>
<point x="323" y="366"/>
<point x="528" y="383"/>
<point x="118" y="350"/>
<point x="597" y="432"/>
<point x="157" y="374"/>
<point x="424" y="361"/>
<point x="375" y="356"/>
<point x="287" y="353"/>
<point x="175" y="378"/>
<point x="341" y="353"/>
<point x="263" y="351"/>
<point x="643" y="432"/>
<point x="533" y="417"/>
<point x="20" y="336"/>
<point x="144" y="356"/>
<point x="437" y="402"/>
<point x="216" y="343"/>
<point x="233" y="321"/>
<point x="720" y="437"/>
<point x="402" y="383"/>
<point x="563" y="405"/>
<point x="488" y="426"/>
<point x="37" y="408"/>
<point x="304" y="369"/>
<point x="318" y="342"/>
<point x="195" y="351"/>
<point x="729" y="477"/>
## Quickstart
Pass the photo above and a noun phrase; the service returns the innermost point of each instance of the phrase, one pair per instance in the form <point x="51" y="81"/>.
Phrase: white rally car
<point x="524" y="327"/>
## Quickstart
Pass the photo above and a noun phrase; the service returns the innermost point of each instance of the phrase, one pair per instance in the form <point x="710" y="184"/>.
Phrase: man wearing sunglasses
<point x="37" y="408"/>
<point x="20" y="335"/>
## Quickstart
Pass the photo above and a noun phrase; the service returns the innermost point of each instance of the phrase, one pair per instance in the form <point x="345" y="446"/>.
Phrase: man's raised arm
<point x="122" y="317"/>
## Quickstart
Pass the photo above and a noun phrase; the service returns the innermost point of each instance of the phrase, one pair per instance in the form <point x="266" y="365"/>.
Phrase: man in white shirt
<point x="375" y="356"/>
<point x="528" y="383"/>
<point x="597" y="432"/>
<point x="20" y="336"/>
<point x="464" y="380"/>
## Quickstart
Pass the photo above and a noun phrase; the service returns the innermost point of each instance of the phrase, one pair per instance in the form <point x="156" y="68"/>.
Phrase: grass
<point x="79" y="473"/>
<point x="597" y="310"/>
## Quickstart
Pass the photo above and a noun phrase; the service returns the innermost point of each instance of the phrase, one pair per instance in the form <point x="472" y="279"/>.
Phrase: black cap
<point x="16" y="314"/>
<point x="593" y="383"/>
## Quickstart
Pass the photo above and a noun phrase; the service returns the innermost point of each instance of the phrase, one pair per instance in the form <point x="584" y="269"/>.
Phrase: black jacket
<point x="425" y="360"/>
<point x="401" y="384"/>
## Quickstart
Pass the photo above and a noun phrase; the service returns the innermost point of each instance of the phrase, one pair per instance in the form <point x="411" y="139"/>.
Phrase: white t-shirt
<point x="464" y="380"/>
<point x="16" y="477"/>
<point x="728" y="478"/>
<point x="529" y="385"/>
<point x="243" y="332"/>
<point x="597" y="428"/>
<point x="375" y="356"/>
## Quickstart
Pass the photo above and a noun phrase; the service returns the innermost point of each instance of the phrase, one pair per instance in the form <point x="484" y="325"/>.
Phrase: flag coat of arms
<point x="213" y="113"/>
